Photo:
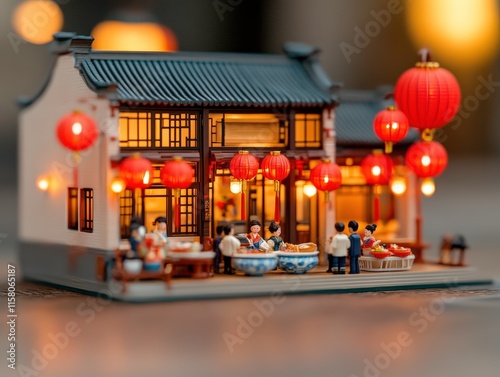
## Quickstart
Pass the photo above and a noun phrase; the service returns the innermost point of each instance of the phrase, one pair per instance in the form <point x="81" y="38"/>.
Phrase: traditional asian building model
<point x="205" y="108"/>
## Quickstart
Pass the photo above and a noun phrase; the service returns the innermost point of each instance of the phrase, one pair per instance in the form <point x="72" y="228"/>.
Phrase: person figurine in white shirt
<point x="228" y="246"/>
<point x="161" y="229"/>
<point x="338" y="248"/>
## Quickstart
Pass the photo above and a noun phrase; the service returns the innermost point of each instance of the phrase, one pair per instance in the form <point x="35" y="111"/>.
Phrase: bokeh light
<point x="461" y="33"/>
<point x="36" y="21"/>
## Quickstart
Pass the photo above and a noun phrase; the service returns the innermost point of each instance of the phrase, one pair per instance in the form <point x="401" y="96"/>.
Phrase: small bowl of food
<point x="380" y="253"/>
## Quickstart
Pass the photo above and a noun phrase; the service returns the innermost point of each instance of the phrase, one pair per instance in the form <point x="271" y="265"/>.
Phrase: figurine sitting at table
<point x="369" y="240"/>
<point x="161" y="229"/>
<point x="275" y="242"/>
<point x="254" y="238"/>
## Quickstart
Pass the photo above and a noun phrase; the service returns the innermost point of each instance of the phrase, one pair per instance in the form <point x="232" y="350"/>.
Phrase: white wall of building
<point x="43" y="215"/>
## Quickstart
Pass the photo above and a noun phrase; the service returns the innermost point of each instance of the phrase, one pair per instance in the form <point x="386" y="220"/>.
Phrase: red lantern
<point x="377" y="168"/>
<point x="428" y="95"/>
<point x="391" y="126"/>
<point x="276" y="167"/>
<point x="77" y="131"/>
<point x="176" y="175"/>
<point x="326" y="176"/>
<point x="244" y="166"/>
<point x="426" y="158"/>
<point x="136" y="172"/>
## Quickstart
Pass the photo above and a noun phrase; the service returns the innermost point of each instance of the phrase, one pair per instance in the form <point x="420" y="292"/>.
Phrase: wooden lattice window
<point x="87" y="210"/>
<point x="308" y="130"/>
<point x="157" y="129"/>
<point x="72" y="204"/>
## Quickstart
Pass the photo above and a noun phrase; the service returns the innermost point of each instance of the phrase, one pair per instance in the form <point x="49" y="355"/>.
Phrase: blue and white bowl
<point x="297" y="263"/>
<point x="255" y="264"/>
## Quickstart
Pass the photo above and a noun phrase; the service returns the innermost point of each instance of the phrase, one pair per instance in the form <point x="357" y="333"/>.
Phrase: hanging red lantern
<point x="427" y="94"/>
<point x="77" y="131"/>
<point x="177" y="174"/>
<point x="426" y="159"/>
<point x="136" y="172"/>
<point x="276" y="167"/>
<point x="377" y="169"/>
<point x="326" y="176"/>
<point x="243" y="167"/>
<point x="390" y="125"/>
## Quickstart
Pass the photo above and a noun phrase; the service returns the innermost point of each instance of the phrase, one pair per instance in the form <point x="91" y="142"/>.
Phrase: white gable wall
<point x="43" y="215"/>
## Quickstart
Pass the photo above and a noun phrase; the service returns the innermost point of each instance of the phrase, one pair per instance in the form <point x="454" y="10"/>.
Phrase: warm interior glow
<point x="36" y="21"/>
<point x="398" y="186"/>
<point x="376" y="170"/>
<point x="235" y="187"/>
<point x="395" y="125"/>
<point x="117" y="185"/>
<point x="426" y="160"/>
<point x="76" y="128"/>
<point x="309" y="189"/>
<point x="43" y="183"/>
<point x="428" y="187"/>
<point x="128" y="36"/>
<point x="459" y="32"/>
<point x="146" y="177"/>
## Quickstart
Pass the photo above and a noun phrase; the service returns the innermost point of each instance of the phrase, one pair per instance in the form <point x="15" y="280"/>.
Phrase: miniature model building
<point x="204" y="108"/>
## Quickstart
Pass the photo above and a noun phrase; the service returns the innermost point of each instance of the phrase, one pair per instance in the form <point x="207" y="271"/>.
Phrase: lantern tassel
<point x="76" y="158"/>
<point x="177" y="209"/>
<point x="277" y="212"/>
<point x="376" y="208"/>
<point x="243" y="206"/>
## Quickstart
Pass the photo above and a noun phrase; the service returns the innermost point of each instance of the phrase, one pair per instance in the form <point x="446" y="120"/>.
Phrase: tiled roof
<point x="206" y="79"/>
<point x="355" y="114"/>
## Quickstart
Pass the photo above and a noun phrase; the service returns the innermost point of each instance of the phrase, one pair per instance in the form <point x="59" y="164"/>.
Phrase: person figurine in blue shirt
<point x="355" y="247"/>
<point x="219" y="230"/>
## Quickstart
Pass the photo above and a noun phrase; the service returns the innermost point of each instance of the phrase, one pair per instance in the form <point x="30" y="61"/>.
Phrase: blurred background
<point x="365" y="44"/>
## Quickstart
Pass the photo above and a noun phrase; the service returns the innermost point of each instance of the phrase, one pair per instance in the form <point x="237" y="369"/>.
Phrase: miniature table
<point x="122" y="275"/>
<point x="193" y="265"/>
<point x="369" y="263"/>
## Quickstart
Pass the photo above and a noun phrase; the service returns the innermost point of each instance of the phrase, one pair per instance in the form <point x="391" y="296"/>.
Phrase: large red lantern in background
<point x="326" y="176"/>
<point x="136" y="172"/>
<point x="427" y="94"/>
<point x="177" y="174"/>
<point x="276" y="167"/>
<point x="391" y="125"/>
<point x="77" y="131"/>
<point x="243" y="167"/>
<point x="377" y="169"/>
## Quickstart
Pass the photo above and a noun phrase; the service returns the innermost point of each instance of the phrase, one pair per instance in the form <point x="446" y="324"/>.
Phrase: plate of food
<point x="399" y="251"/>
<point x="380" y="253"/>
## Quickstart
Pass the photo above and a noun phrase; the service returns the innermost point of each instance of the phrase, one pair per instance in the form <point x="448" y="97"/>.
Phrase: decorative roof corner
<point x="65" y="42"/>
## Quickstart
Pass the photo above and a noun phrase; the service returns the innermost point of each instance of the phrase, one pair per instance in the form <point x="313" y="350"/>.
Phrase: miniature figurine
<point x="355" y="247"/>
<point x="275" y="242"/>
<point x="254" y="238"/>
<point x="448" y="244"/>
<point x="161" y="229"/>
<point x="228" y="247"/>
<point x="338" y="249"/>
<point x="219" y="230"/>
<point x="369" y="240"/>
